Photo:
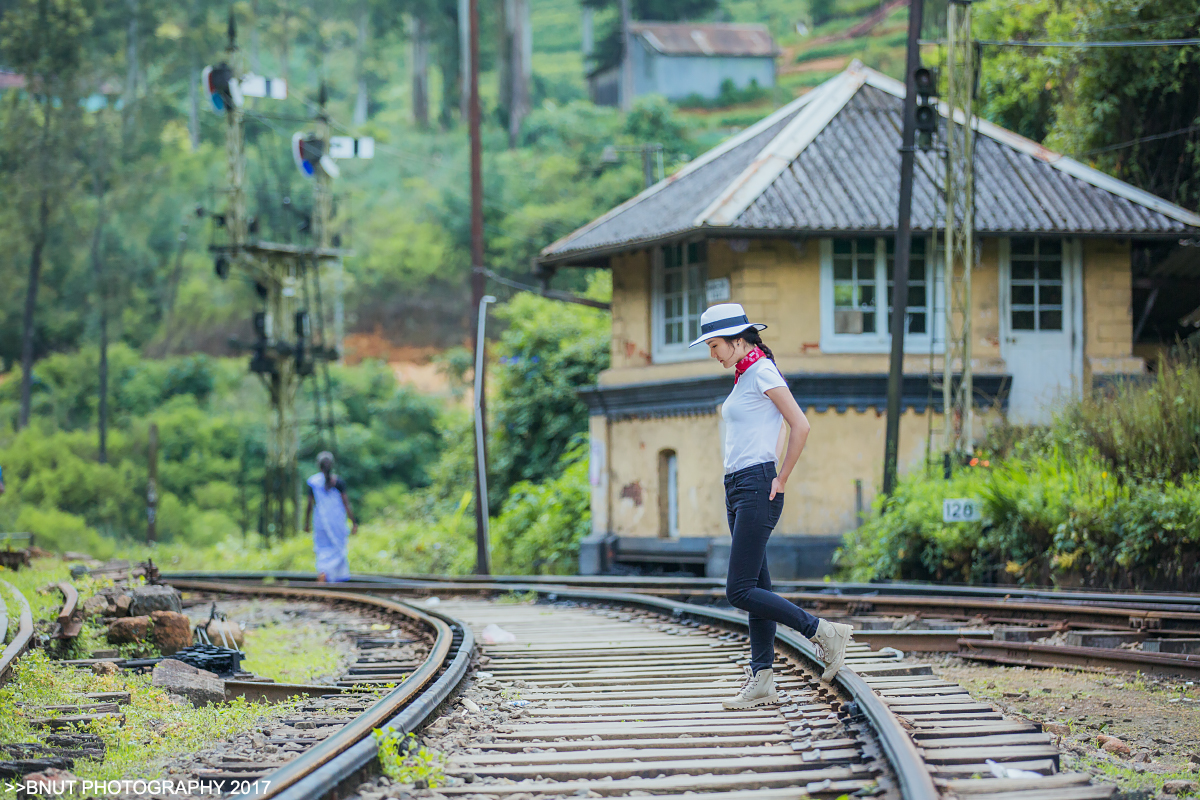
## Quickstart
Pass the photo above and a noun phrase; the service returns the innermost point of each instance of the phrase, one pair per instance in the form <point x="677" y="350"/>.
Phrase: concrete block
<point x="1020" y="634"/>
<point x="1109" y="639"/>
<point x="592" y="560"/>
<point x="198" y="685"/>
<point x="788" y="557"/>
<point x="1188" y="646"/>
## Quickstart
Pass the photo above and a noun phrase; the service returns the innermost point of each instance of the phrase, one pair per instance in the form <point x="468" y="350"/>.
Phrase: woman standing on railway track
<point x="754" y="414"/>
<point x="327" y="497"/>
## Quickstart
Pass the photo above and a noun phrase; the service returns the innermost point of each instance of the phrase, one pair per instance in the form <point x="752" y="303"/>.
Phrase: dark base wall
<point x="788" y="557"/>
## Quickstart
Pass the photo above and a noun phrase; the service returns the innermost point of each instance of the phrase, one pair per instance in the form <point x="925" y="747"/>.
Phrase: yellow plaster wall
<point x="633" y="475"/>
<point x="821" y="498"/>
<point x="631" y="310"/>
<point x="1108" y="309"/>
<point x="778" y="282"/>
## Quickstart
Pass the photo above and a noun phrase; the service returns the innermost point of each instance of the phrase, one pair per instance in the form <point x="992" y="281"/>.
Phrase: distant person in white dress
<point x="327" y="497"/>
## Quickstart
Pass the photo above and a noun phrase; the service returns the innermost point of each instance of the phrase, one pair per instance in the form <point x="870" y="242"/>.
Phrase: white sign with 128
<point x="962" y="510"/>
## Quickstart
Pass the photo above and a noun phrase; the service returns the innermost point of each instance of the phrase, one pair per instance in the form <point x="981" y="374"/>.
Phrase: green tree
<point x="549" y="352"/>
<point x="44" y="41"/>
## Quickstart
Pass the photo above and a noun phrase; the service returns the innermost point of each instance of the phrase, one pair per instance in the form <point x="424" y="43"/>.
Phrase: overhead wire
<point x="1151" y="138"/>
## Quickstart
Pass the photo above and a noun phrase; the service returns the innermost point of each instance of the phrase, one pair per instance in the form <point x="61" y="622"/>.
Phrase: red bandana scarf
<point x="740" y="368"/>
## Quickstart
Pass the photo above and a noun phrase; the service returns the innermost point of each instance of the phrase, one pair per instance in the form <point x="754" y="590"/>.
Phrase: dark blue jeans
<point x="752" y="517"/>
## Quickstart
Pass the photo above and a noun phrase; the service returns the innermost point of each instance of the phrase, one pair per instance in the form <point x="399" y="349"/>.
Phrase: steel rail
<point x="22" y="638"/>
<point x="1173" y="621"/>
<point x="358" y="762"/>
<point x="292" y="780"/>
<point x="70" y="619"/>
<point x="902" y="754"/>
<point x="1162" y="601"/>
<point x="1055" y="656"/>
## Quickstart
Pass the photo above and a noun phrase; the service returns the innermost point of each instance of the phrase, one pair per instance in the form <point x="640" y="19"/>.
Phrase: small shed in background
<point x="681" y="59"/>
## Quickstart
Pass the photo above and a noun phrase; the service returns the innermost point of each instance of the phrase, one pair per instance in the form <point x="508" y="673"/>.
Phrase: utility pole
<point x="625" y="95"/>
<point x="960" y="228"/>
<point x="899" y="319"/>
<point x="152" y="487"/>
<point x="477" y="287"/>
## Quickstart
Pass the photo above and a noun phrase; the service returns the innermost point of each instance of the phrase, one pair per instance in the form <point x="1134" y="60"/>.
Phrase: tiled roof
<point x="691" y="39"/>
<point x="830" y="162"/>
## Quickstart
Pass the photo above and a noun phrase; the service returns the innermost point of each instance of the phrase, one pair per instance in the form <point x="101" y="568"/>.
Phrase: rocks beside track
<point x="197" y="685"/>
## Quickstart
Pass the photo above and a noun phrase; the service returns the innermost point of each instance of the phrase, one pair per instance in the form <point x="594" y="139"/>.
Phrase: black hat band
<point x="720" y="324"/>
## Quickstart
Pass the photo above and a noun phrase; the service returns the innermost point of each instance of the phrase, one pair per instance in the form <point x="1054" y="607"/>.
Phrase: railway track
<point x="621" y="697"/>
<point x="968" y="621"/>
<point x="610" y="694"/>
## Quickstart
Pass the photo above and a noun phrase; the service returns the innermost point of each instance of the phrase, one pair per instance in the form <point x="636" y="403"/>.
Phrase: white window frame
<point x="881" y="340"/>
<point x="660" y="351"/>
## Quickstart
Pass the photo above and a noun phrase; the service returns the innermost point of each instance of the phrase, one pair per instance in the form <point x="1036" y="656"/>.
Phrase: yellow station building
<point x="794" y="218"/>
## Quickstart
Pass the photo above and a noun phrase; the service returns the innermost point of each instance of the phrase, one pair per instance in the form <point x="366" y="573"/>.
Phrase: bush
<point x="1106" y="496"/>
<point x="539" y="530"/>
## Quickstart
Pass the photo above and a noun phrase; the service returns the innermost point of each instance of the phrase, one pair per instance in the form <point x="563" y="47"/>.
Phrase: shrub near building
<point x="1107" y="496"/>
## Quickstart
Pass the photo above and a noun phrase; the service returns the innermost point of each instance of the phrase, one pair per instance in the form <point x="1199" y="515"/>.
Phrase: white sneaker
<point x="831" y="640"/>
<point x="758" y="690"/>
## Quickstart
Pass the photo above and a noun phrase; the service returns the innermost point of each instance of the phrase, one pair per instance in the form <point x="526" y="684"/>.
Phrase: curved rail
<point x="349" y="752"/>
<point x="24" y="634"/>
<point x="322" y="778"/>
<point x="1147" y="601"/>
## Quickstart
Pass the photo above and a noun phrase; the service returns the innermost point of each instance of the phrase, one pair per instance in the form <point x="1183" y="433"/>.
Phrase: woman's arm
<point x="349" y="513"/>
<point x="798" y="423"/>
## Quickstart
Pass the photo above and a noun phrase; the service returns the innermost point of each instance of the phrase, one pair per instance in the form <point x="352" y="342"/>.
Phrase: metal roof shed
<point x="829" y="162"/>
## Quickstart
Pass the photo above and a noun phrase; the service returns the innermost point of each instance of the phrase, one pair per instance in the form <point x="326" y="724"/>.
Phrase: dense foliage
<point x="1132" y="112"/>
<point x="1108" y="496"/>
<point x="210" y="415"/>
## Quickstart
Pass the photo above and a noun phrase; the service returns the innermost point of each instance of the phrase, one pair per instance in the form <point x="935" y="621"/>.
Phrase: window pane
<point x="916" y="296"/>
<point x="842" y="270"/>
<point x="696" y="252"/>
<point x="1050" y="320"/>
<point x="1022" y="295"/>
<point x="868" y="322"/>
<point x="916" y="271"/>
<point x="866" y="247"/>
<point x="1022" y="320"/>
<point x="1023" y="270"/>
<point x="1023" y="246"/>
<point x="843" y="295"/>
<point x="866" y="294"/>
<point x="1050" y="247"/>
<point x="1050" y="294"/>
<point x="693" y="329"/>
<point x="916" y="322"/>
<point x="843" y="247"/>
<point x="673" y="331"/>
<point x="1050" y="271"/>
<point x="917" y="248"/>
<point x="866" y="269"/>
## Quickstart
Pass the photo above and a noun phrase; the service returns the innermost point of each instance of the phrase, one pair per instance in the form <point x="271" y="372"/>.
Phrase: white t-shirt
<point x="752" y="421"/>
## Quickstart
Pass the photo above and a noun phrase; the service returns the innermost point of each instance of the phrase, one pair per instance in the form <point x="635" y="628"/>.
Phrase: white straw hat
<point x="724" y="319"/>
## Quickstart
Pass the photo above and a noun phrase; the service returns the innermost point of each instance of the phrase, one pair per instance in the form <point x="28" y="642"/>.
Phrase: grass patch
<point x="291" y="654"/>
<point x="156" y="727"/>
<point x="1126" y="777"/>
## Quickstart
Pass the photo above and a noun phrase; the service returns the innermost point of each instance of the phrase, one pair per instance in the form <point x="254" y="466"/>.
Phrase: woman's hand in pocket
<point x="776" y="488"/>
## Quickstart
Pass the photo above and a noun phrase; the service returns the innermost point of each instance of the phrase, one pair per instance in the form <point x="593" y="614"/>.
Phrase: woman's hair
<point x="751" y="337"/>
<point x="325" y="464"/>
